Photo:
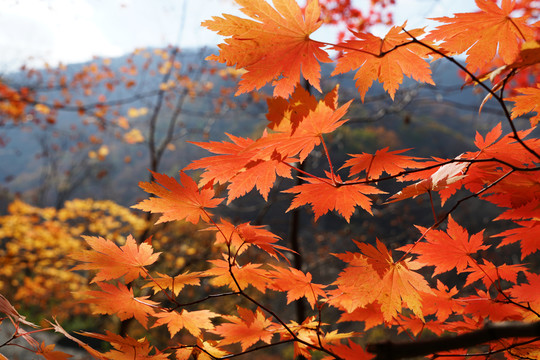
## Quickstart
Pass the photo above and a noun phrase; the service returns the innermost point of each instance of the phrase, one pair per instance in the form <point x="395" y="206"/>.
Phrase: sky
<point x="71" y="31"/>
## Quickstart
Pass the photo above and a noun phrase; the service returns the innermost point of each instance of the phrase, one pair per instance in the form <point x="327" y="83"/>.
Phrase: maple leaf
<point x="399" y="282"/>
<point x="325" y="195"/>
<point x="482" y="33"/>
<point x="48" y="352"/>
<point x="385" y="60"/>
<point x="447" y="250"/>
<point x="382" y="161"/>
<point x="176" y="201"/>
<point x="526" y="234"/>
<point x="301" y="140"/>
<point x="446" y="177"/>
<point x="285" y="115"/>
<point x="121" y="301"/>
<point x="242" y="166"/>
<point x="247" y="328"/>
<point x="241" y="236"/>
<point x="232" y="159"/>
<point x="490" y="274"/>
<point x="484" y="306"/>
<point x="396" y="282"/>
<point x="113" y="262"/>
<point x="192" y="321"/>
<point x="297" y="285"/>
<point x="370" y="314"/>
<point x="275" y="47"/>
<point x="483" y="143"/>
<point x="259" y="173"/>
<point x="127" y="348"/>
<point x="351" y="351"/>
<point x="249" y="274"/>
<point x="528" y="292"/>
<point x="441" y="302"/>
<point x="357" y="278"/>
<point x="527" y="102"/>
<point x="175" y="284"/>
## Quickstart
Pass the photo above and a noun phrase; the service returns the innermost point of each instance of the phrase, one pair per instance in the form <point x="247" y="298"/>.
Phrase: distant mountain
<point x="438" y="121"/>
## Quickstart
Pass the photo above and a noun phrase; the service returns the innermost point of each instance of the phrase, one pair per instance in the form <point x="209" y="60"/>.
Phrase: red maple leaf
<point x="528" y="292"/>
<point x="177" y="201"/>
<point x="402" y="57"/>
<point x="275" y="47"/>
<point x="527" y="235"/>
<point x="325" y="195"/>
<point x="382" y="161"/>
<point x="447" y="250"/>
<point x="491" y="274"/>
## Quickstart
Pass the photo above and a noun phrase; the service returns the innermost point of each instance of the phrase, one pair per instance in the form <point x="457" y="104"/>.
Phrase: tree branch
<point x="389" y="350"/>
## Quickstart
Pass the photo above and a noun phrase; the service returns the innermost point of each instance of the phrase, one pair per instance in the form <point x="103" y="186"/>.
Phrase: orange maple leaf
<point x="249" y="274"/>
<point x="297" y="285"/>
<point x="175" y="284"/>
<point x="491" y="274"/>
<point x="242" y="236"/>
<point x="113" y="262"/>
<point x="192" y="321"/>
<point x="482" y="33"/>
<point x="441" y="302"/>
<point x="275" y="47"/>
<point x="121" y="301"/>
<point x="247" y="328"/>
<point x="528" y="293"/>
<point x="527" y="102"/>
<point x="301" y="140"/>
<point x="127" y="348"/>
<point x="242" y="166"/>
<point x="352" y="351"/>
<point x="526" y="234"/>
<point x="385" y="60"/>
<point x="176" y="201"/>
<point x="232" y="158"/>
<point x="447" y="250"/>
<point x="323" y="195"/>
<point x="445" y="179"/>
<point x="284" y="115"/>
<point x="382" y="161"/>
<point x="396" y="282"/>
<point x="370" y="314"/>
<point x="48" y="352"/>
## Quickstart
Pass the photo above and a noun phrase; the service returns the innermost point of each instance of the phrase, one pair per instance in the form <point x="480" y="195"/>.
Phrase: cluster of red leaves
<point x="377" y="285"/>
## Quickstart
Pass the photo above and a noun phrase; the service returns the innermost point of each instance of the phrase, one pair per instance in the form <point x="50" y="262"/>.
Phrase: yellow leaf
<point x="134" y="136"/>
<point x="44" y="109"/>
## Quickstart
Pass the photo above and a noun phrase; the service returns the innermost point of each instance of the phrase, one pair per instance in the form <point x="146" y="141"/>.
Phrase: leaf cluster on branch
<point x="406" y="290"/>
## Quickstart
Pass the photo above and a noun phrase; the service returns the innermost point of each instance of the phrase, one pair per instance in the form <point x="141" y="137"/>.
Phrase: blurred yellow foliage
<point x="35" y="247"/>
<point x="36" y="244"/>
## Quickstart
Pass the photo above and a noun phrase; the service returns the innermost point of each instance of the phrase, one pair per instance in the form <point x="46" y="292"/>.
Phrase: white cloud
<point x="75" y="30"/>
